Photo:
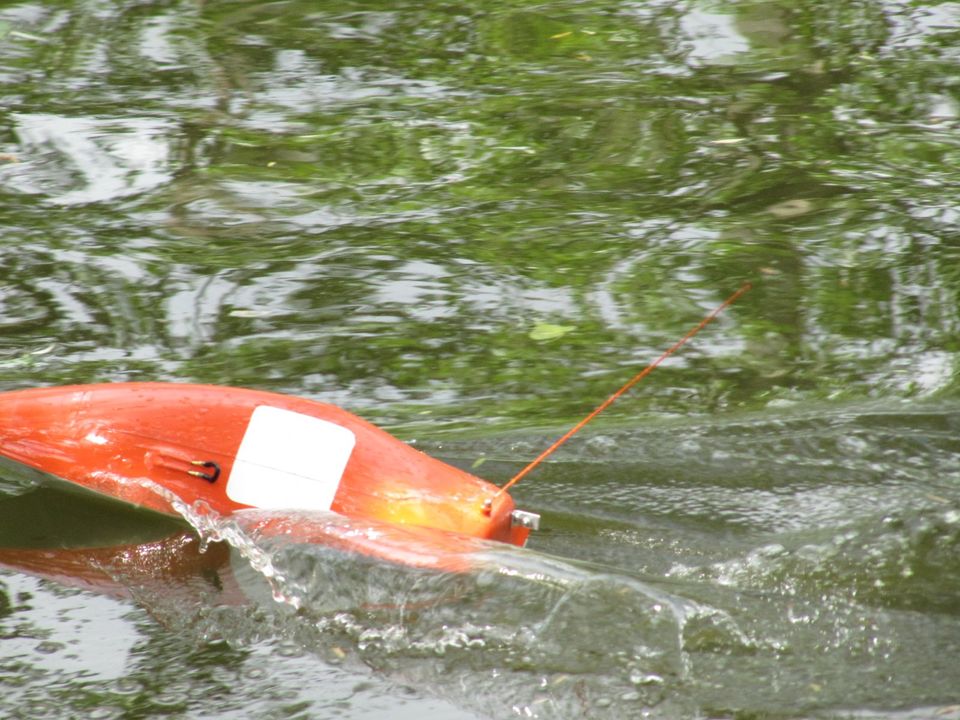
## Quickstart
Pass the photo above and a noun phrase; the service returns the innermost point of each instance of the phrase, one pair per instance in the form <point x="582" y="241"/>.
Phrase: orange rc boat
<point x="158" y="445"/>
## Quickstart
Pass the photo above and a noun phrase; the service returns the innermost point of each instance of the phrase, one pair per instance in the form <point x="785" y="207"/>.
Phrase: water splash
<point x="520" y="631"/>
<point x="213" y="527"/>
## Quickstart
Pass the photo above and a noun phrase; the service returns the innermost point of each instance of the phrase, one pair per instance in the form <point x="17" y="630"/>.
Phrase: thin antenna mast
<point x="629" y="384"/>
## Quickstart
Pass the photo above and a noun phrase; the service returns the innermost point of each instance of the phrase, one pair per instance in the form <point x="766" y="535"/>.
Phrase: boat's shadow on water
<point x="687" y="600"/>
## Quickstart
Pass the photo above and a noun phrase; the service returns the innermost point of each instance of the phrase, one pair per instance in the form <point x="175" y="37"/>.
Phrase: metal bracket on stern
<point x="524" y="519"/>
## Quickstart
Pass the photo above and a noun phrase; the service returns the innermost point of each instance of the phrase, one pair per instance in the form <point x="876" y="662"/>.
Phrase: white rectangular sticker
<point x="288" y="460"/>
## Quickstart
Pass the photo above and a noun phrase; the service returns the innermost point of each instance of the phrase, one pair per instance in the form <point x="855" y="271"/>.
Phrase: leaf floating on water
<point x="549" y="331"/>
<point x="728" y="141"/>
<point x="27" y="359"/>
<point x="561" y="35"/>
<point x="790" y="208"/>
<point x="27" y="36"/>
<point x="517" y="148"/>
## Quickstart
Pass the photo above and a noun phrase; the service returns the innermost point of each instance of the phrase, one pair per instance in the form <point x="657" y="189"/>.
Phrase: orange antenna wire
<point x="629" y="384"/>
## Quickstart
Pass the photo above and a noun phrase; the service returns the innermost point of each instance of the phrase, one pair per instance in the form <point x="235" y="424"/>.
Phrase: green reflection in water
<point x="379" y="204"/>
<point x="382" y="204"/>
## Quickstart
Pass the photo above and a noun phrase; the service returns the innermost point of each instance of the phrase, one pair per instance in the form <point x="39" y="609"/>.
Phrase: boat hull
<point x="212" y="448"/>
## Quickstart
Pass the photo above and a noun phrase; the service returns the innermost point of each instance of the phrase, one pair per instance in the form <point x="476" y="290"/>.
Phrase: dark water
<point x="470" y="223"/>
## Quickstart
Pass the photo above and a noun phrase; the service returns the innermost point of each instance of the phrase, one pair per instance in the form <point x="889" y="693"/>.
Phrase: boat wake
<point x="513" y="633"/>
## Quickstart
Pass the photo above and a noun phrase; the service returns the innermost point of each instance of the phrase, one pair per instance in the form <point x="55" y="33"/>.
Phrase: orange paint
<point x="188" y="438"/>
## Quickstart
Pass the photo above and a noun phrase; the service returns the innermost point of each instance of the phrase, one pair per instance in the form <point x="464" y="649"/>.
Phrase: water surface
<point x="469" y="224"/>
